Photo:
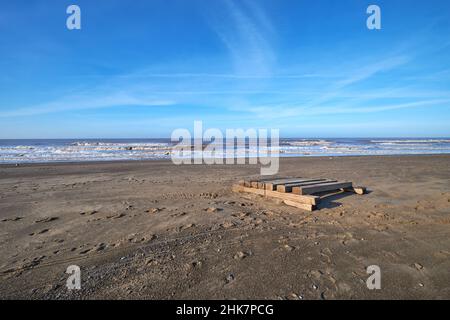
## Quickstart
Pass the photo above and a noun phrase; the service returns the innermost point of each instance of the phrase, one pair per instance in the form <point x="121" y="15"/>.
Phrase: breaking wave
<point x="37" y="151"/>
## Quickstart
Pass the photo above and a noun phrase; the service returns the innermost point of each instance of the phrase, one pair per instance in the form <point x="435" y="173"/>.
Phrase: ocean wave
<point x="305" y="142"/>
<point x="411" y="141"/>
<point x="79" y="151"/>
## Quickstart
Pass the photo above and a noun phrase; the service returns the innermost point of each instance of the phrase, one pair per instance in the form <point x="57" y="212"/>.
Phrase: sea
<point x="81" y="150"/>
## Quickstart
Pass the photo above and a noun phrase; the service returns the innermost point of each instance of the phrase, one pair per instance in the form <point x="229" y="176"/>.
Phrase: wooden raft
<point x="295" y="192"/>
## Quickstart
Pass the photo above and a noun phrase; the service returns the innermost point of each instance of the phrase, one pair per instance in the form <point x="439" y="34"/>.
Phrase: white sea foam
<point x="63" y="151"/>
<point x="411" y="141"/>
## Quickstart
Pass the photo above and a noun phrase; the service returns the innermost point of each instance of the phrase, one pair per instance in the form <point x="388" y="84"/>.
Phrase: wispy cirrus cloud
<point x="272" y="112"/>
<point x="77" y="102"/>
<point x="334" y="88"/>
<point x="244" y="30"/>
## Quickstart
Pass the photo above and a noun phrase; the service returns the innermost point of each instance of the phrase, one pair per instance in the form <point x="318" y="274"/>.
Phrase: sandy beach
<point x="153" y="230"/>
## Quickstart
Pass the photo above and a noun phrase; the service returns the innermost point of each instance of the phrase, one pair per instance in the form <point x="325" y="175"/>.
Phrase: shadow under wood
<point x="327" y="199"/>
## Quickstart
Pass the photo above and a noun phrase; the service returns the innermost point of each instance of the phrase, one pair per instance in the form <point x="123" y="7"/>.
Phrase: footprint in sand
<point x="213" y="209"/>
<point x="134" y="238"/>
<point x="40" y="232"/>
<point x="241" y="214"/>
<point x="116" y="216"/>
<point x="154" y="210"/>
<point x="12" y="219"/>
<point x="100" y="246"/>
<point x="92" y="212"/>
<point x="187" y="226"/>
<point x="46" y="219"/>
<point x="179" y="214"/>
<point x="85" y="251"/>
<point x="36" y="261"/>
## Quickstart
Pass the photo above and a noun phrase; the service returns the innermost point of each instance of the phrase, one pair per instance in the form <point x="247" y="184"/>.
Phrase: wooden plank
<point x="357" y="190"/>
<point x="288" y="187"/>
<point x="274" y="184"/>
<point x="256" y="183"/>
<point x="321" y="187"/>
<point x="304" y="206"/>
<point x="262" y="183"/>
<point x="313" y="200"/>
<point x="247" y="183"/>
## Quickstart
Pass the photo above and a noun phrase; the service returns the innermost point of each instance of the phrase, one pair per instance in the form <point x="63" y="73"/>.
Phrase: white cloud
<point x="244" y="35"/>
<point x="86" y="102"/>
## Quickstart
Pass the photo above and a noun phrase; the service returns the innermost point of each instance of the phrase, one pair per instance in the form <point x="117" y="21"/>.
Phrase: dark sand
<point x="143" y="230"/>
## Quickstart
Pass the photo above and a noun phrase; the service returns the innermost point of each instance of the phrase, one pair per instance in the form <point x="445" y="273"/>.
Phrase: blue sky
<point x="144" y="68"/>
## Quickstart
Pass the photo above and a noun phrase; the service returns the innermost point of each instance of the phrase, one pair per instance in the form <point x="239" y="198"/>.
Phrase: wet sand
<point x="153" y="230"/>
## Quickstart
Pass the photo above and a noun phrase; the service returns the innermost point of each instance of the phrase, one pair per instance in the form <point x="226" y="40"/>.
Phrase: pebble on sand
<point x="229" y="278"/>
<point x="154" y="210"/>
<point x="296" y="296"/>
<point x="418" y="266"/>
<point x="240" y="255"/>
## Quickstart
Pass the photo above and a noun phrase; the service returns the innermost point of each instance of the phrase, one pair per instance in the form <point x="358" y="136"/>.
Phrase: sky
<point x="141" y="69"/>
